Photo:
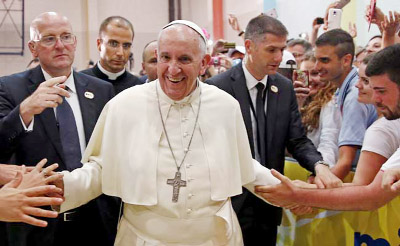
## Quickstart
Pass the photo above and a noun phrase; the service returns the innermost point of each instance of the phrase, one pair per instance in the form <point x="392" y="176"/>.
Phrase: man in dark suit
<point x="114" y="45"/>
<point x="270" y="111"/>
<point x="50" y="112"/>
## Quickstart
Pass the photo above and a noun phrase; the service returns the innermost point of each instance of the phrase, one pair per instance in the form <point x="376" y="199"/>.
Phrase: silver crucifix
<point x="176" y="183"/>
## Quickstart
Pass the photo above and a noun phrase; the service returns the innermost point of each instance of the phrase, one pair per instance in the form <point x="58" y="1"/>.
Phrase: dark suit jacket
<point x="284" y="129"/>
<point x="44" y="142"/>
<point x="124" y="81"/>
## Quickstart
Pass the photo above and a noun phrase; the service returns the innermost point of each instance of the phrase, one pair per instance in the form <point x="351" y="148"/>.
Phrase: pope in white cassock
<point x="174" y="150"/>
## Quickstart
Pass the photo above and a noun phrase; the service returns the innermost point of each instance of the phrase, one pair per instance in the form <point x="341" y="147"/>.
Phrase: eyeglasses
<point x="66" y="38"/>
<point x="115" y="44"/>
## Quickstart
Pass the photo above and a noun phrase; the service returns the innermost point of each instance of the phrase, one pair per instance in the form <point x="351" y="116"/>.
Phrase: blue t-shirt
<point x="356" y="116"/>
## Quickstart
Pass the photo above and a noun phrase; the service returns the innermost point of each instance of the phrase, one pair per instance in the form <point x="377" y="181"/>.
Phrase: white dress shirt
<point x="251" y="83"/>
<point x="76" y="109"/>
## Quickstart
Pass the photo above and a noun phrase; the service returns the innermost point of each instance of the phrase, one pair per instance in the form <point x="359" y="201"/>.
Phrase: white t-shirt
<point x="382" y="137"/>
<point x="393" y="162"/>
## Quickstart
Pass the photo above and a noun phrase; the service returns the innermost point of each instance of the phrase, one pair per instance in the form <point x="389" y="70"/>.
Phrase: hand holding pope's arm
<point x="325" y="178"/>
<point x="282" y="194"/>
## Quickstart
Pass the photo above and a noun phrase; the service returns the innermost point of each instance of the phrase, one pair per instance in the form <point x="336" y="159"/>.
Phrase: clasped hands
<point x="287" y="193"/>
<point x="29" y="189"/>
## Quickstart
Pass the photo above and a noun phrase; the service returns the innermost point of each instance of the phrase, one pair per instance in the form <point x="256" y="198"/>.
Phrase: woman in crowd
<point x="320" y="117"/>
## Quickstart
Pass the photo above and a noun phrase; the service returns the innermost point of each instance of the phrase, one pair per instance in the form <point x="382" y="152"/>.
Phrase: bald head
<point x="149" y="63"/>
<point x="43" y="19"/>
<point x="53" y="43"/>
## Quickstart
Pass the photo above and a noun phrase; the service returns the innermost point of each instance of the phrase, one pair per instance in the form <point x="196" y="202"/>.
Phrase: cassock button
<point x="190" y="195"/>
<point x="189" y="210"/>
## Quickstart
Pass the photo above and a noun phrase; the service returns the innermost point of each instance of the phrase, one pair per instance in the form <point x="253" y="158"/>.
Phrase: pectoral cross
<point x="176" y="183"/>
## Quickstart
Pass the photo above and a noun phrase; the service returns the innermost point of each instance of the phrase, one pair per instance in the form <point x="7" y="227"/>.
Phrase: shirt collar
<point x="69" y="82"/>
<point x="251" y="82"/>
<point x="347" y="84"/>
<point x="188" y="99"/>
<point x="110" y="75"/>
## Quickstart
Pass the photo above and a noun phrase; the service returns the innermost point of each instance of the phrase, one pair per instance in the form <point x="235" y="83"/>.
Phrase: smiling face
<point x="329" y="66"/>
<point x="364" y="89"/>
<point x="180" y="60"/>
<point x="314" y="82"/>
<point x="386" y="95"/>
<point x="55" y="59"/>
<point x="264" y="55"/>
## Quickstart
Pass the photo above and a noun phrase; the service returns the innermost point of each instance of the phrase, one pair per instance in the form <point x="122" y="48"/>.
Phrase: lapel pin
<point x="89" y="95"/>
<point x="274" y="89"/>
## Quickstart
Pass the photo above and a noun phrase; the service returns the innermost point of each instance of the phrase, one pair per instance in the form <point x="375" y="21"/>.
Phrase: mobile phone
<point x="229" y="45"/>
<point x="301" y="75"/>
<point x="216" y="61"/>
<point x="334" y="18"/>
<point x="320" y="20"/>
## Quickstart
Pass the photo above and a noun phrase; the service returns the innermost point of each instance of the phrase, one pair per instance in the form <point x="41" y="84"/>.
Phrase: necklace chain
<point x="186" y="150"/>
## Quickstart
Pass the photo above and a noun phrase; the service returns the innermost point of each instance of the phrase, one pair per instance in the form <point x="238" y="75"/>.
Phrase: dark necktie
<point x="69" y="136"/>
<point x="260" y="114"/>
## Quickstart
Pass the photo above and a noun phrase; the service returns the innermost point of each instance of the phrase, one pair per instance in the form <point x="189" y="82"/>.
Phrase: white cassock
<point x="128" y="157"/>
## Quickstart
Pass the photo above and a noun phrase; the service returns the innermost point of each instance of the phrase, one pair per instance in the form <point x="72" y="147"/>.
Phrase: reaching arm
<point x="364" y="197"/>
<point x="390" y="26"/>
<point x="346" y="156"/>
<point x="368" y="166"/>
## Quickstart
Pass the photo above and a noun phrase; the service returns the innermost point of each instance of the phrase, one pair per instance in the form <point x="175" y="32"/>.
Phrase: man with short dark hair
<point x="114" y="45"/>
<point x="335" y="52"/>
<point x="149" y="63"/>
<point x="383" y="71"/>
<point x="299" y="47"/>
<point x="269" y="108"/>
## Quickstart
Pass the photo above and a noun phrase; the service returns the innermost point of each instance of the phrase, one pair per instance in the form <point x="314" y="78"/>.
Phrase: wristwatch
<point x="241" y="33"/>
<point x="321" y="162"/>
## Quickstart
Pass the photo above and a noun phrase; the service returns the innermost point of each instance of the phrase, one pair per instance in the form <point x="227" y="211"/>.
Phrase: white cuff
<point x="27" y="128"/>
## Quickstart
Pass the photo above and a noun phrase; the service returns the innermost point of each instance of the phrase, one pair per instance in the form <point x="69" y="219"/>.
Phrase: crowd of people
<point x="102" y="157"/>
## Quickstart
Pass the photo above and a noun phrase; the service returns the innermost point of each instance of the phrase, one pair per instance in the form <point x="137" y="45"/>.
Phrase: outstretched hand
<point x="282" y="195"/>
<point x="20" y="205"/>
<point x="234" y="23"/>
<point x="39" y="176"/>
